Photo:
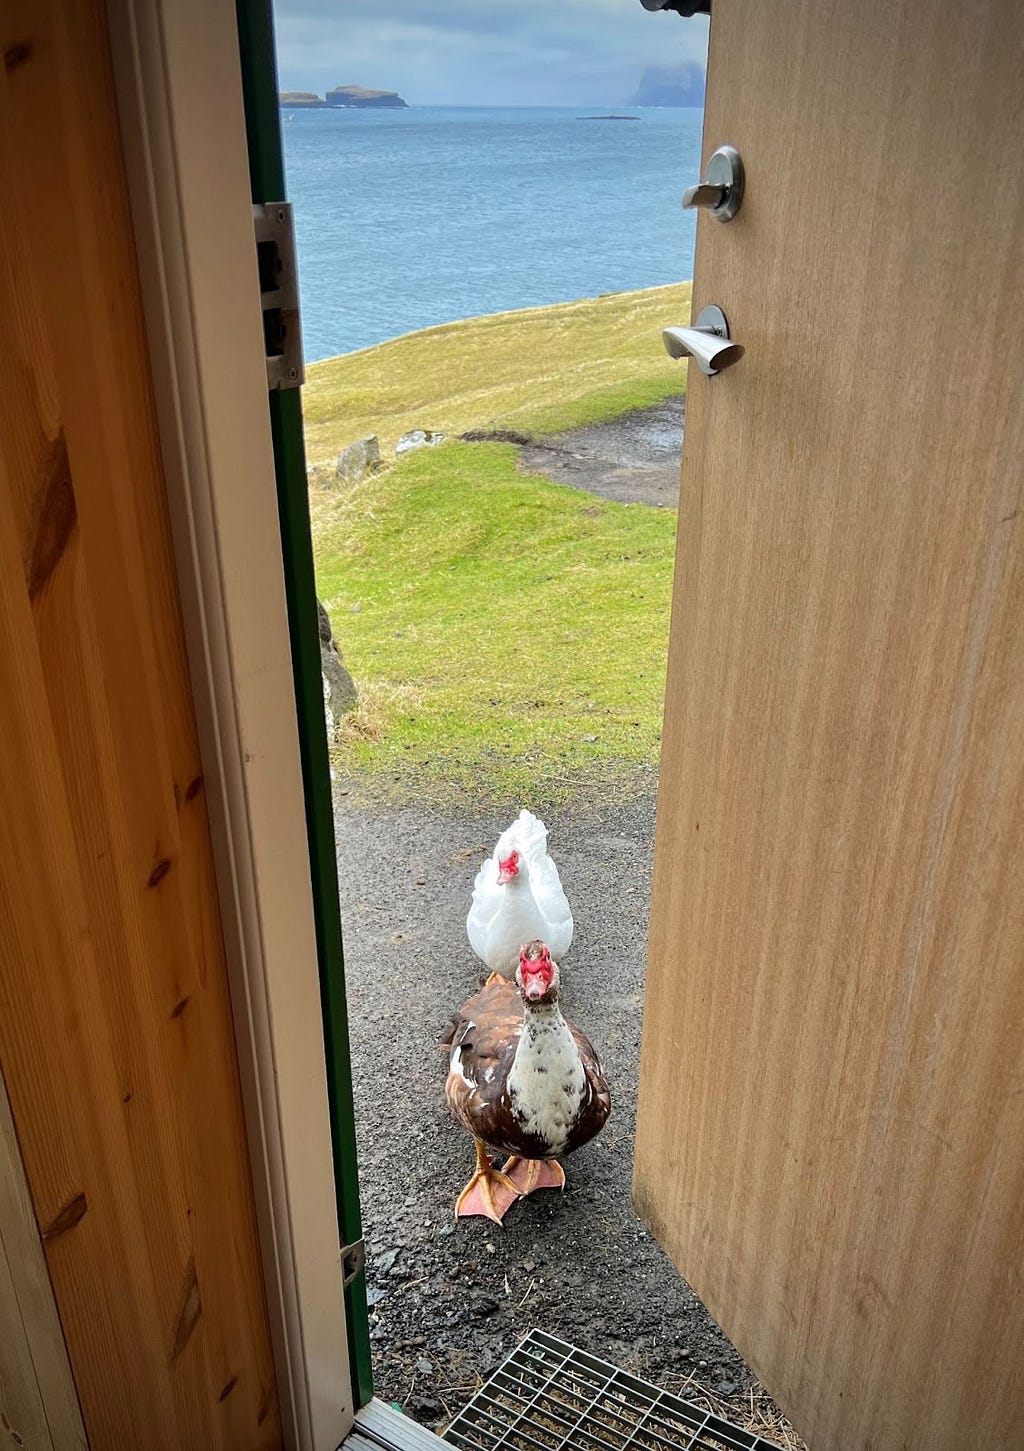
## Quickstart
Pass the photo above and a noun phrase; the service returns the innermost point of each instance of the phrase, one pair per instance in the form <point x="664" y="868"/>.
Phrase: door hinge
<point x="279" y="293"/>
<point x="353" y="1261"/>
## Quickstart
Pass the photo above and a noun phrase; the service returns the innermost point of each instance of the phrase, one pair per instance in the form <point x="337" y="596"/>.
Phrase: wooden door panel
<point x="115" y="1024"/>
<point x="832" y="1118"/>
<point x="38" y="1404"/>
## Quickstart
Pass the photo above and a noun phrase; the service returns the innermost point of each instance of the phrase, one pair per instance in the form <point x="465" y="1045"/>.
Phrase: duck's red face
<point x="536" y="971"/>
<point x="508" y="868"/>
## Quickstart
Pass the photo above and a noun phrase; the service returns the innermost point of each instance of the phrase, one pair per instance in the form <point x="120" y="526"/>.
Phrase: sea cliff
<point x="358" y="97"/>
<point x="299" y="100"/>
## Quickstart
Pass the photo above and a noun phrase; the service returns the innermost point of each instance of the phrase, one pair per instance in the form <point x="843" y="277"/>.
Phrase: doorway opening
<point x="491" y="443"/>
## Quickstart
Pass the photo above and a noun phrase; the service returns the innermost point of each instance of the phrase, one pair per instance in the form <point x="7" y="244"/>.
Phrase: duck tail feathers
<point x="530" y="835"/>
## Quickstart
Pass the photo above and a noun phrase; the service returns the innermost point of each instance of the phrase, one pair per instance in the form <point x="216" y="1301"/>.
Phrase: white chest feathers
<point x="547" y="1084"/>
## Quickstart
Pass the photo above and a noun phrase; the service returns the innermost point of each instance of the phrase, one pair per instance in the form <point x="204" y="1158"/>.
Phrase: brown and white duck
<point x="521" y="1080"/>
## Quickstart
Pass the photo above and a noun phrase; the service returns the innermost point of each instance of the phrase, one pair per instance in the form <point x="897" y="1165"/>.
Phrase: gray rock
<point x="359" y="459"/>
<point x="328" y="712"/>
<point x="340" y="694"/>
<point x="418" y="438"/>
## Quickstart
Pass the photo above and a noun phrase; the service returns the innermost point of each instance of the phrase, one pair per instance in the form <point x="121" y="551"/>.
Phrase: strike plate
<point x="279" y="294"/>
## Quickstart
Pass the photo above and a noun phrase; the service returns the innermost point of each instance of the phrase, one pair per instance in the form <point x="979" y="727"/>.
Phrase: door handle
<point x="707" y="342"/>
<point x="721" y="191"/>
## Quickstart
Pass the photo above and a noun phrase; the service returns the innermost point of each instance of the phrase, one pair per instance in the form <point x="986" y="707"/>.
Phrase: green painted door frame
<point x="266" y="172"/>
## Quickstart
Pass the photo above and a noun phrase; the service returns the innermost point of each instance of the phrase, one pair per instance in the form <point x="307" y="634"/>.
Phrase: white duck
<point x="517" y="898"/>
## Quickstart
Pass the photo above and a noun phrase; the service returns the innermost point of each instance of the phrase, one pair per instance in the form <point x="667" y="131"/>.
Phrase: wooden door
<point x="116" y="1039"/>
<point x="38" y="1404"/>
<point x="831" y="1129"/>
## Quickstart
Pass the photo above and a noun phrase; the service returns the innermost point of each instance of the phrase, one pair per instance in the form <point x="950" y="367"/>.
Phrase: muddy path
<point x="633" y="458"/>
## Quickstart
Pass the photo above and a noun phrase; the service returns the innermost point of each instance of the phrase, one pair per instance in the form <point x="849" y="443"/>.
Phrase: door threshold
<point x="379" y="1428"/>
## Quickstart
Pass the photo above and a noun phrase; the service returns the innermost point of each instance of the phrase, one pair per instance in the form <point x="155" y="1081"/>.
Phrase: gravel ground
<point x="450" y="1299"/>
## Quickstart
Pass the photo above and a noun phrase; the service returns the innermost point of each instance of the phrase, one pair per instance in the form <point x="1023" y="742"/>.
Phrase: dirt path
<point x="634" y="459"/>
<point x="449" y="1300"/>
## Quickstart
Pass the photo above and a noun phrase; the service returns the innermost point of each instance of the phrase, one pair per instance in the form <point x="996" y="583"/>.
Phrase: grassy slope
<point x="541" y="370"/>
<point x="505" y="631"/>
<point x="508" y="635"/>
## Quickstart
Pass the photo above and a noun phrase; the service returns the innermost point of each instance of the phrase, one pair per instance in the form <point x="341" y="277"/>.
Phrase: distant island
<point x="350" y="97"/>
<point x="608" y="118"/>
<point x="670" y="85"/>
<point x="360" y="96"/>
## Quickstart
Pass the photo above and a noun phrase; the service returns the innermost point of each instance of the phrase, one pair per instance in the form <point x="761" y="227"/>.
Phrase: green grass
<point x="539" y="370"/>
<point x="508" y="636"/>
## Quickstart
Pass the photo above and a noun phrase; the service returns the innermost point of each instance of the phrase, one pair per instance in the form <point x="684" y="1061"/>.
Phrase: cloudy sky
<point x="481" y="52"/>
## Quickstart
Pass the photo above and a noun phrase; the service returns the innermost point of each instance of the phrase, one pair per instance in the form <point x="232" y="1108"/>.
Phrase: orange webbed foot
<point x="530" y="1174"/>
<point x="490" y="1192"/>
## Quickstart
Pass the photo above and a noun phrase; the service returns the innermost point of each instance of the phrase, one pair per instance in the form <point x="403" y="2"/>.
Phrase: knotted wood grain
<point x="115" y="1024"/>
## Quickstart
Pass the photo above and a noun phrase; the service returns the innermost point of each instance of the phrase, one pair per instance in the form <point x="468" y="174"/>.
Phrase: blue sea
<point x="409" y="218"/>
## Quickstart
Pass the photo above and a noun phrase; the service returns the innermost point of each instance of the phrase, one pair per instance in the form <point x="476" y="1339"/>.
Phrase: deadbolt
<point x="721" y="191"/>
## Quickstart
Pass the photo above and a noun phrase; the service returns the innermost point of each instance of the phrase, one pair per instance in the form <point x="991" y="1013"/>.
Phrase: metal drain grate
<point x="549" y="1396"/>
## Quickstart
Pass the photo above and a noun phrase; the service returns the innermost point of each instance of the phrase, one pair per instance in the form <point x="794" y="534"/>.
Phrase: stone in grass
<point x="359" y="459"/>
<point x="340" y="694"/>
<point x="418" y="438"/>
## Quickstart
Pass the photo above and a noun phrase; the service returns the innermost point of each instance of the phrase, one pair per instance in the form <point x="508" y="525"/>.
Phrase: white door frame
<point x="180" y="96"/>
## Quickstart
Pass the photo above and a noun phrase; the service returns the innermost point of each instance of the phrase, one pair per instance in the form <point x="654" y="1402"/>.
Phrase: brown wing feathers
<point x="486" y="1033"/>
<point x="598" y="1104"/>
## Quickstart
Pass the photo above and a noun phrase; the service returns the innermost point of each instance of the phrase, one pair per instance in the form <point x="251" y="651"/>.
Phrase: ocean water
<point x="409" y="218"/>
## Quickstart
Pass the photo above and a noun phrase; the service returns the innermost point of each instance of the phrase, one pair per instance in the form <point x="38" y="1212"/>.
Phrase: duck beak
<point x="535" y="988"/>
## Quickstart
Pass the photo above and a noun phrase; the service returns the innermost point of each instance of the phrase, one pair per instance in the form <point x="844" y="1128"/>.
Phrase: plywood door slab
<point x="831" y="1129"/>
<point x="115" y="1027"/>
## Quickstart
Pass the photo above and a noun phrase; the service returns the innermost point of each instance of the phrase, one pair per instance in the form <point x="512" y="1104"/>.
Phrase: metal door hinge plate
<point x="353" y="1261"/>
<point x="279" y="293"/>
